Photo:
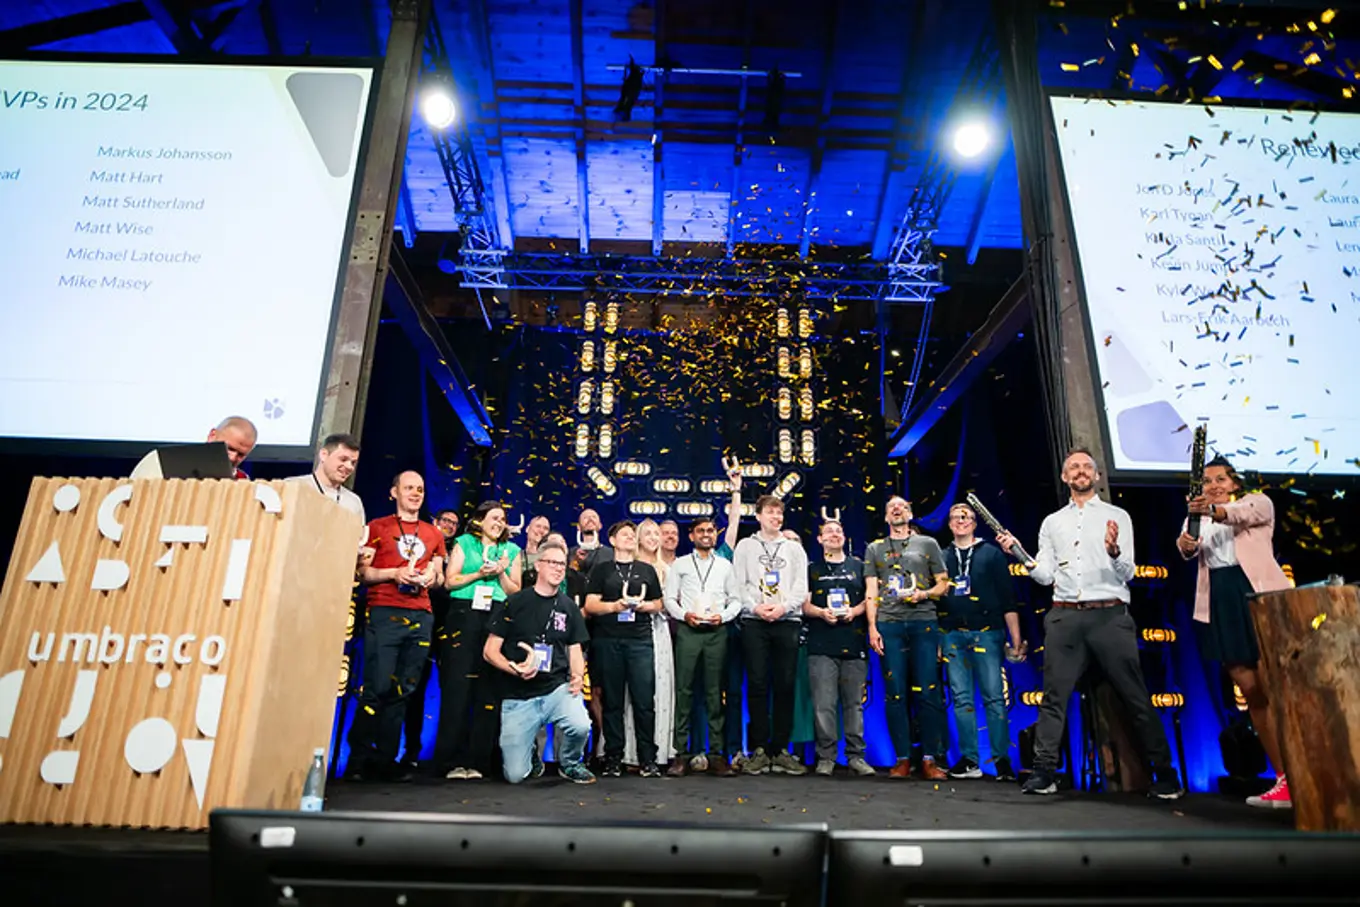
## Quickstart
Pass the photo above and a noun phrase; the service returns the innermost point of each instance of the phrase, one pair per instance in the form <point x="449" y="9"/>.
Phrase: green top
<point x="474" y="555"/>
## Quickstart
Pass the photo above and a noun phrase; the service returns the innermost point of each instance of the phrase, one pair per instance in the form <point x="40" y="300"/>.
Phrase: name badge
<point x="543" y="657"/>
<point x="627" y="615"/>
<point x="895" y="583"/>
<point x="838" y="599"/>
<point x="963" y="585"/>
<point x="772" y="579"/>
<point x="482" y="597"/>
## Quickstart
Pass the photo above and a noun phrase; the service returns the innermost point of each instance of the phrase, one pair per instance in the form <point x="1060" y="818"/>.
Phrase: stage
<point x="51" y="865"/>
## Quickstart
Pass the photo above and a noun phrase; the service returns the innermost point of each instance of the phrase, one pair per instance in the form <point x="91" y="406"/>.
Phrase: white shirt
<point x="1216" y="544"/>
<point x="342" y="495"/>
<point x="1072" y="556"/>
<point x="692" y="576"/>
<point x="754" y="558"/>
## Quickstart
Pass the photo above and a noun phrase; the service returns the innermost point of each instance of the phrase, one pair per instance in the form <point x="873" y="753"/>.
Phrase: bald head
<point x="239" y="434"/>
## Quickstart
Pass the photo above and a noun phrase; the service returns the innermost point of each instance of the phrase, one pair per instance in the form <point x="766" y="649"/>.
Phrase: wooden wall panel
<point x="287" y="626"/>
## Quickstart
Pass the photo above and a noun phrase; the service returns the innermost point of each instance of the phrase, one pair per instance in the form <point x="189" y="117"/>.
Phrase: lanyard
<point x="409" y="539"/>
<point x="966" y="563"/>
<point x="317" y="482"/>
<point x="769" y="556"/>
<point x="703" y="577"/>
<point x="627" y="579"/>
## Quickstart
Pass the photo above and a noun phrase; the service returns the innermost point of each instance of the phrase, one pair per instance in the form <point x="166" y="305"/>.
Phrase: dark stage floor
<point x="842" y="802"/>
<point x="48" y="865"/>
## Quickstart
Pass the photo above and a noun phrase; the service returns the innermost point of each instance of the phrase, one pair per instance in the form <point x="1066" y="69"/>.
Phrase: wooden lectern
<point x="1310" y="666"/>
<point x="168" y="647"/>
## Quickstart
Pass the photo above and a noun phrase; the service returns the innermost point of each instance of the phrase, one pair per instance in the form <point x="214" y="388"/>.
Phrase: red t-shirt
<point x="393" y="542"/>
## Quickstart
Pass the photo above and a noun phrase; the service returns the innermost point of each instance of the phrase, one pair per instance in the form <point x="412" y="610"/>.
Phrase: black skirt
<point x="1229" y="637"/>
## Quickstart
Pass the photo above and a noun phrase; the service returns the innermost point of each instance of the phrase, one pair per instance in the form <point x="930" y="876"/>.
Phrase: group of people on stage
<point x="621" y="640"/>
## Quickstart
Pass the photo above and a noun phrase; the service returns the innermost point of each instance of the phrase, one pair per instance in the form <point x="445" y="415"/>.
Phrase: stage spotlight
<point x="715" y="486"/>
<point x="606" y="441"/>
<point x="694" y="508"/>
<point x="611" y="317"/>
<point x="809" y="448"/>
<point x="629" y="93"/>
<point x="671" y="486"/>
<point x="1238" y="699"/>
<point x="785" y="360"/>
<point x="1018" y="570"/>
<point x="582" y="440"/>
<point x="783" y="406"/>
<point x="805" y="362"/>
<point x="632" y="467"/>
<point x="971" y="138"/>
<point x="1032" y="697"/>
<point x="1159" y="634"/>
<point x="607" y="398"/>
<point x="590" y="315"/>
<point x="805" y="407"/>
<point x="1168" y="700"/>
<point x="758" y="470"/>
<point x="781" y="322"/>
<point x="805" y="323"/>
<point x="787" y="484"/>
<point x="647" y="508"/>
<point x="437" y="107"/>
<point x="785" y="446"/>
<point x="1150" y="571"/>
<point x="611" y="356"/>
<point x="588" y="356"/>
<point x="583" y="397"/>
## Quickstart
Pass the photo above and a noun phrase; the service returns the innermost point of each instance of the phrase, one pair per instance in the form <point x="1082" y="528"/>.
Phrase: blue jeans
<point x="521" y="720"/>
<point x="917" y="642"/>
<point x="977" y="654"/>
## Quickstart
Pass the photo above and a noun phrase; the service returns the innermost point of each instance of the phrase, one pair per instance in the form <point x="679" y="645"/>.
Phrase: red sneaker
<point x="1275" y="798"/>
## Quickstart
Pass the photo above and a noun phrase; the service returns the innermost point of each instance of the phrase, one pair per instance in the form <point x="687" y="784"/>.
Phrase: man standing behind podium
<point x="336" y="460"/>
<point x="240" y="435"/>
<point x="408" y="557"/>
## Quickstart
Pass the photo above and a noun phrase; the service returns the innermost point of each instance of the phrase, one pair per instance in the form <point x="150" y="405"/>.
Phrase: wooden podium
<point x="1310" y="666"/>
<point x="168" y="647"/>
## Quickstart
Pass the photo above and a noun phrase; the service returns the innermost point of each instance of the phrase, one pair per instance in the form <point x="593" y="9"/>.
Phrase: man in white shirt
<point x="772" y="574"/>
<point x="336" y="460"/>
<point x="701" y="595"/>
<point x="1086" y="555"/>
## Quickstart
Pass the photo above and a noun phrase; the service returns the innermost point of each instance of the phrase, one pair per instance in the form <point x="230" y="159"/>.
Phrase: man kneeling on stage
<point x="542" y="630"/>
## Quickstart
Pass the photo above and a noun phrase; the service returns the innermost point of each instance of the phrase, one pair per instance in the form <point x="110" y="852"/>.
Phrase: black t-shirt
<point x="606" y="580"/>
<point x="838" y="640"/>
<point x="534" y="619"/>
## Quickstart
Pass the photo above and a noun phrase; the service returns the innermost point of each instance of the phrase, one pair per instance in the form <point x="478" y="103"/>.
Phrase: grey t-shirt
<point x="895" y="562"/>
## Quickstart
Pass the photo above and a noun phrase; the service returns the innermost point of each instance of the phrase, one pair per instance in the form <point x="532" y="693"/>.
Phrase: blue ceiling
<point x="871" y="87"/>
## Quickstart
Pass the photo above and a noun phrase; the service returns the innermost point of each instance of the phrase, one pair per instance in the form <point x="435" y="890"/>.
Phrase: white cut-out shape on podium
<point x="234" y="583"/>
<point x="163" y="680"/>
<point x="59" y="766"/>
<point x="49" y="568"/>
<point x="211" y="689"/>
<point x="11" y="685"/>
<point x="109" y="527"/>
<point x="109" y="575"/>
<point x="269" y="498"/>
<point x="166" y="559"/>
<point x="66" y="498"/>
<point x="198" y="753"/>
<point x="82" y="697"/>
<point x="184" y="535"/>
<point x="150" y="745"/>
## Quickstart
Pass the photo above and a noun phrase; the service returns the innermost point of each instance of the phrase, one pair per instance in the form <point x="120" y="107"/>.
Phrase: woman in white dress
<point x="649" y="551"/>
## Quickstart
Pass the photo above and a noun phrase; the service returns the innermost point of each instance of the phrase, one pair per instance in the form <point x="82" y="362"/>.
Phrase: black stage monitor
<point x="304" y="859"/>
<point x="1128" y="870"/>
<point x="196" y="461"/>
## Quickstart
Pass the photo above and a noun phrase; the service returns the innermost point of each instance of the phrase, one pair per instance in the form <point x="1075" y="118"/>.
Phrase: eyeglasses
<point x="552" y="563"/>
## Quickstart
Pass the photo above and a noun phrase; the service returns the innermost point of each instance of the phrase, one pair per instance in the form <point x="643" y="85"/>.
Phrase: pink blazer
<point x="1252" y="519"/>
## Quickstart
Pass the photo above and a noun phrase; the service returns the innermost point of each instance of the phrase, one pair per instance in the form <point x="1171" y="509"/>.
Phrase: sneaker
<point x="718" y="766"/>
<point x="650" y="770"/>
<point x="825" y="767"/>
<point x="1004" y="772"/>
<point x="679" y="767"/>
<point x="738" y="761"/>
<point x="699" y="763"/>
<point x="932" y="772"/>
<point x="576" y="773"/>
<point x="535" y="767"/>
<point x="613" y="768"/>
<point x="1275" y="798"/>
<point x="785" y="764"/>
<point x="1042" y="782"/>
<point x="456" y="774"/>
<point x="1166" y="786"/>
<point x="758" y="764"/>
<point x="965" y="768"/>
<point x="858" y="766"/>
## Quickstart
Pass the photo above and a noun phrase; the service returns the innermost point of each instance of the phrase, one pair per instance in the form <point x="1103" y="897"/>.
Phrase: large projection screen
<point x="1219" y="254"/>
<point x="172" y="239"/>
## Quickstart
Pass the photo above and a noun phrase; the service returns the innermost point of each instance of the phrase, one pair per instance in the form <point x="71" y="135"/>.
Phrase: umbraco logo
<point x="94" y="654"/>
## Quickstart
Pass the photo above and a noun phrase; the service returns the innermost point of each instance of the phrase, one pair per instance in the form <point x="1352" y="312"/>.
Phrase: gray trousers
<point x="838" y="681"/>
<point x="1072" y="640"/>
